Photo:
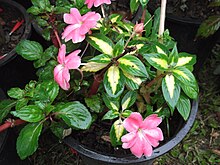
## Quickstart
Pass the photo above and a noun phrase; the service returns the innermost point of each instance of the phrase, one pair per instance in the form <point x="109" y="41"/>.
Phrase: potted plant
<point x="188" y="19"/>
<point x="108" y="76"/>
<point x="14" y="27"/>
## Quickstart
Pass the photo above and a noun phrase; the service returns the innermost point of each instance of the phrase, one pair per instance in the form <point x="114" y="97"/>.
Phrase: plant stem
<point x="155" y="80"/>
<point x="57" y="37"/>
<point x="162" y="17"/>
<point x="11" y="123"/>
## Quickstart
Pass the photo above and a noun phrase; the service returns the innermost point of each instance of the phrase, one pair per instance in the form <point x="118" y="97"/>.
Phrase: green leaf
<point x="16" y="93"/>
<point x="29" y="50"/>
<point x="21" y="103"/>
<point x="116" y="132"/>
<point x="111" y="102"/>
<point x="34" y="10"/>
<point x="41" y="22"/>
<point x="173" y="57"/>
<point x="209" y="26"/>
<point x="143" y="2"/>
<point x="132" y="65"/>
<point x="113" y="81"/>
<point x="75" y="115"/>
<point x="102" y="58"/>
<point x="148" y="26"/>
<point x="42" y="4"/>
<point x="101" y="43"/>
<point x="126" y="113"/>
<point x="171" y="90"/>
<point x="94" y="103"/>
<point x="59" y="129"/>
<point x="188" y="81"/>
<point x="156" y="23"/>
<point x="119" y="48"/>
<point x="30" y="113"/>
<point x="158" y="61"/>
<point x="27" y="142"/>
<point x="183" y="106"/>
<point x="129" y="99"/>
<point x="111" y="114"/>
<point x="5" y="108"/>
<point x="47" y="91"/>
<point x="134" y="4"/>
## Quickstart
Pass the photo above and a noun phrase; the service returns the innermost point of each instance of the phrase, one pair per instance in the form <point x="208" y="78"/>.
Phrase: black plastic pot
<point x="26" y="33"/>
<point x="91" y="157"/>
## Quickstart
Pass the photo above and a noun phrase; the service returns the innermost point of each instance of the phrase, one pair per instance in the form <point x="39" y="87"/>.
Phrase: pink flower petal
<point x="89" y="3"/>
<point x="154" y="136"/>
<point x="100" y="2"/>
<point x="62" y="76"/>
<point x="137" y="148"/>
<point x="151" y="121"/>
<point x="147" y="149"/>
<point x="73" y="61"/>
<point x="61" y="54"/>
<point x="73" y="18"/>
<point x="67" y="31"/>
<point x="133" y="122"/>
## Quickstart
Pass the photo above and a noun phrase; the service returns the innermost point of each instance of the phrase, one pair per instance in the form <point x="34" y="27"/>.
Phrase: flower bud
<point x="139" y="28"/>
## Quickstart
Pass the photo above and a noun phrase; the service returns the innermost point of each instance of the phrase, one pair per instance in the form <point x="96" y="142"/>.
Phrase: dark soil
<point x="9" y="16"/>
<point x="193" y="9"/>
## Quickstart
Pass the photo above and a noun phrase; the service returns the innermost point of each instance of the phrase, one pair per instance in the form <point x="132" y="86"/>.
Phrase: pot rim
<point x="159" y="151"/>
<point x="27" y="31"/>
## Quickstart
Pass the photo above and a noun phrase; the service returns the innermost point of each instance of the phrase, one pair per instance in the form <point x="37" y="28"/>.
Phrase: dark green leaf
<point x="110" y="102"/>
<point x="94" y="103"/>
<point x="29" y="50"/>
<point x="59" y="129"/>
<point x="21" y="103"/>
<point x="209" y="26"/>
<point x="75" y="115"/>
<point x="5" y="108"/>
<point x="30" y="113"/>
<point x="27" y="141"/>
<point x="134" y="4"/>
<point x="183" y="106"/>
<point x="34" y="10"/>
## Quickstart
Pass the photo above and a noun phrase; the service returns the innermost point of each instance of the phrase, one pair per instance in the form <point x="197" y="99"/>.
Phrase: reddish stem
<point x="97" y="80"/>
<point x="11" y="123"/>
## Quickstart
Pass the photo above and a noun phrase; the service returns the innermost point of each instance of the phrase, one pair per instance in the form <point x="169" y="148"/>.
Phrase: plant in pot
<point x="109" y="85"/>
<point x="14" y="27"/>
<point x="186" y="21"/>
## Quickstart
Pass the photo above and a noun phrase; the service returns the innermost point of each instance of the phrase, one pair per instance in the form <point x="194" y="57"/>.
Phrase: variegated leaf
<point x="111" y="114"/>
<point x="132" y="65"/>
<point x="93" y="66"/>
<point x="110" y="102"/>
<point x="158" y="61"/>
<point x="185" y="59"/>
<point x="113" y="81"/>
<point x="115" y="18"/>
<point x="101" y="43"/>
<point x="102" y="58"/>
<point x="171" y="90"/>
<point x="183" y="106"/>
<point x="116" y="132"/>
<point x="132" y="82"/>
<point x="129" y="99"/>
<point x="188" y="81"/>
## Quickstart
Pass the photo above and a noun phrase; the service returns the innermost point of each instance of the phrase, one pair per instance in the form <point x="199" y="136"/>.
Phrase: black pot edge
<point x="71" y="142"/>
<point x="26" y="34"/>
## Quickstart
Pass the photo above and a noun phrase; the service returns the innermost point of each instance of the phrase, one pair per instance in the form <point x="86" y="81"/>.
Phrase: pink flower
<point x="78" y="25"/>
<point x="142" y="134"/>
<point x="61" y="71"/>
<point x="96" y="3"/>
